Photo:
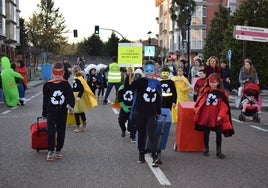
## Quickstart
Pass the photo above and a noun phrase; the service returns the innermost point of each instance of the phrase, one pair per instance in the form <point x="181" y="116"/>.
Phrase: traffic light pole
<point x="113" y="31"/>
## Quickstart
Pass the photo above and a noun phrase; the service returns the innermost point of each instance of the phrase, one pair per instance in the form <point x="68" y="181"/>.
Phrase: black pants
<point x="122" y="119"/>
<point x="218" y="137"/>
<point x="56" y="123"/>
<point x="77" y="118"/>
<point x="146" y="126"/>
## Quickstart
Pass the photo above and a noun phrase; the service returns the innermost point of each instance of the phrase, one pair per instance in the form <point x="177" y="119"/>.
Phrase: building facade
<point x="9" y="27"/>
<point x="170" y="37"/>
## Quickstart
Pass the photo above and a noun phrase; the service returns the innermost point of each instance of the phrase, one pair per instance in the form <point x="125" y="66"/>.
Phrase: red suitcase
<point x="39" y="135"/>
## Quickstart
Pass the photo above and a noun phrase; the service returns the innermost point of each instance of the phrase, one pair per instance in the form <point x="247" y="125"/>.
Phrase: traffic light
<point x="75" y="33"/>
<point x="97" y="29"/>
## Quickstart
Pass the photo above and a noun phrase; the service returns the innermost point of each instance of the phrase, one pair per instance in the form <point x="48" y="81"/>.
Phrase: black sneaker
<point x="157" y="162"/>
<point x="141" y="158"/>
<point x="123" y="134"/>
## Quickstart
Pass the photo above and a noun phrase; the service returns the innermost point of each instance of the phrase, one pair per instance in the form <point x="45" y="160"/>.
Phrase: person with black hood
<point x="146" y="109"/>
<point x="125" y="99"/>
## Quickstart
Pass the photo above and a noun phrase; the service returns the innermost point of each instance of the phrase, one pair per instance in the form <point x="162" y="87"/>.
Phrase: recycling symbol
<point x="128" y="95"/>
<point x="74" y="84"/>
<point x="150" y="95"/>
<point x="57" y="98"/>
<point x="165" y="88"/>
<point x="212" y="99"/>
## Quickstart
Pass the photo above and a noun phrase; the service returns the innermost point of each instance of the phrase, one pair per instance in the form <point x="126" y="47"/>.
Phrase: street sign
<point x="257" y="34"/>
<point x="130" y="54"/>
<point x="149" y="51"/>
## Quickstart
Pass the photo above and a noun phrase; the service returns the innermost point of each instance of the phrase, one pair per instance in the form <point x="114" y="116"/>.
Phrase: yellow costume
<point x="182" y="85"/>
<point x="88" y="99"/>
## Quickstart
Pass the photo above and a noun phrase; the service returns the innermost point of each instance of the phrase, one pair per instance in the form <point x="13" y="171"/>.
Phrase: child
<point x="22" y="69"/>
<point x="125" y="99"/>
<point x="250" y="103"/>
<point x="92" y="80"/>
<point x="169" y="93"/>
<point x="145" y="111"/>
<point x="183" y="87"/>
<point x="101" y="83"/>
<point x="212" y="112"/>
<point x="57" y="95"/>
<point x="84" y="98"/>
<point x="10" y="88"/>
<point x="199" y="83"/>
<point x="19" y="84"/>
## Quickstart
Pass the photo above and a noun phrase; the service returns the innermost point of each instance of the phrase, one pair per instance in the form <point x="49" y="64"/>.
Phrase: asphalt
<point x="232" y="97"/>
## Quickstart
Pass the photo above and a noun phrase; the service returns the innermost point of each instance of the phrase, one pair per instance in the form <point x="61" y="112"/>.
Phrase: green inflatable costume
<point x="9" y="85"/>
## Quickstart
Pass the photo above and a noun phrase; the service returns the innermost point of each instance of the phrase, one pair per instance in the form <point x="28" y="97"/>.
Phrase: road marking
<point x="236" y="120"/>
<point x="115" y="111"/>
<point x="261" y="129"/>
<point x="160" y="176"/>
<point x="5" y="112"/>
<point x="157" y="171"/>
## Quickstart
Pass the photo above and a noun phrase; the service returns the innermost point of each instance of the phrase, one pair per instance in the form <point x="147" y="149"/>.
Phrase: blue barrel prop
<point x="46" y="71"/>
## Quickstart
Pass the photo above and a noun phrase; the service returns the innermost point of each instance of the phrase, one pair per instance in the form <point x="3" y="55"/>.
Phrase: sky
<point x="132" y="18"/>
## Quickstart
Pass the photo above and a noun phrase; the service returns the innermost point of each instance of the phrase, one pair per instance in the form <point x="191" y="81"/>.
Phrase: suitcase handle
<point x="39" y="129"/>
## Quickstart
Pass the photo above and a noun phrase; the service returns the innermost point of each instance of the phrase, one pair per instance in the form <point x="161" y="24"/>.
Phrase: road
<point x="99" y="157"/>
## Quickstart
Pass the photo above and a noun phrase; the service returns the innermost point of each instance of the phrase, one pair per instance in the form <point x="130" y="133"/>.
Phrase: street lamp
<point x="188" y="23"/>
<point x="149" y="35"/>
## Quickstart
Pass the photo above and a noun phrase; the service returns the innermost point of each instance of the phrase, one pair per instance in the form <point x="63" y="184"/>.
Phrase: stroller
<point x="250" y="96"/>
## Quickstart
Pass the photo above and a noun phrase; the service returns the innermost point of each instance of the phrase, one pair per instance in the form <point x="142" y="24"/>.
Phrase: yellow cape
<point x="88" y="99"/>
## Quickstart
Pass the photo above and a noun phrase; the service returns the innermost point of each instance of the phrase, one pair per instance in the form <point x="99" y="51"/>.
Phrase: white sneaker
<point x="77" y="130"/>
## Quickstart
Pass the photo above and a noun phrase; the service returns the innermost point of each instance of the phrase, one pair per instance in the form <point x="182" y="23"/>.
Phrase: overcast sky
<point x="132" y="18"/>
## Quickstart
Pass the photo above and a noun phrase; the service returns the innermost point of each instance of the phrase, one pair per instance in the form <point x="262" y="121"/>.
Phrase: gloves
<point x="124" y="107"/>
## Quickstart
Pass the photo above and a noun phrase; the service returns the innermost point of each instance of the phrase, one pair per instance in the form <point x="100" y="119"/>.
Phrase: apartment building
<point x="170" y="37"/>
<point x="9" y="27"/>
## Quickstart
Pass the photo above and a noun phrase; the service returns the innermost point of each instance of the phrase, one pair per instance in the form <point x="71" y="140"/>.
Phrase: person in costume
<point x="212" y="113"/>
<point x="146" y="109"/>
<point x="84" y="98"/>
<point x="92" y="80"/>
<point x="169" y="93"/>
<point x="183" y="87"/>
<point x="125" y="99"/>
<point x="57" y="97"/>
<point x="10" y="88"/>
<point x="101" y="83"/>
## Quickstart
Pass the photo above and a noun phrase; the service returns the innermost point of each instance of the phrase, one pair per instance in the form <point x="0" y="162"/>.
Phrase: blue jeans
<point x="109" y="89"/>
<point x="1" y="95"/>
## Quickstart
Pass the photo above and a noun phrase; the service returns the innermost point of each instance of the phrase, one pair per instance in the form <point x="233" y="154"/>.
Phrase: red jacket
<point x="23" y="71"/>
<point x="206" y="115"/>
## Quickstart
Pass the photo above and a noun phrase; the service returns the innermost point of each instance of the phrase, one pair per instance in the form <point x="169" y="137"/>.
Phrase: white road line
<point x="5" y="112"/>
<point x="157" y="171"/>
<point x="236" y="120"/>
<point x="261" y="129"/>
<point x="115" y="111"/>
